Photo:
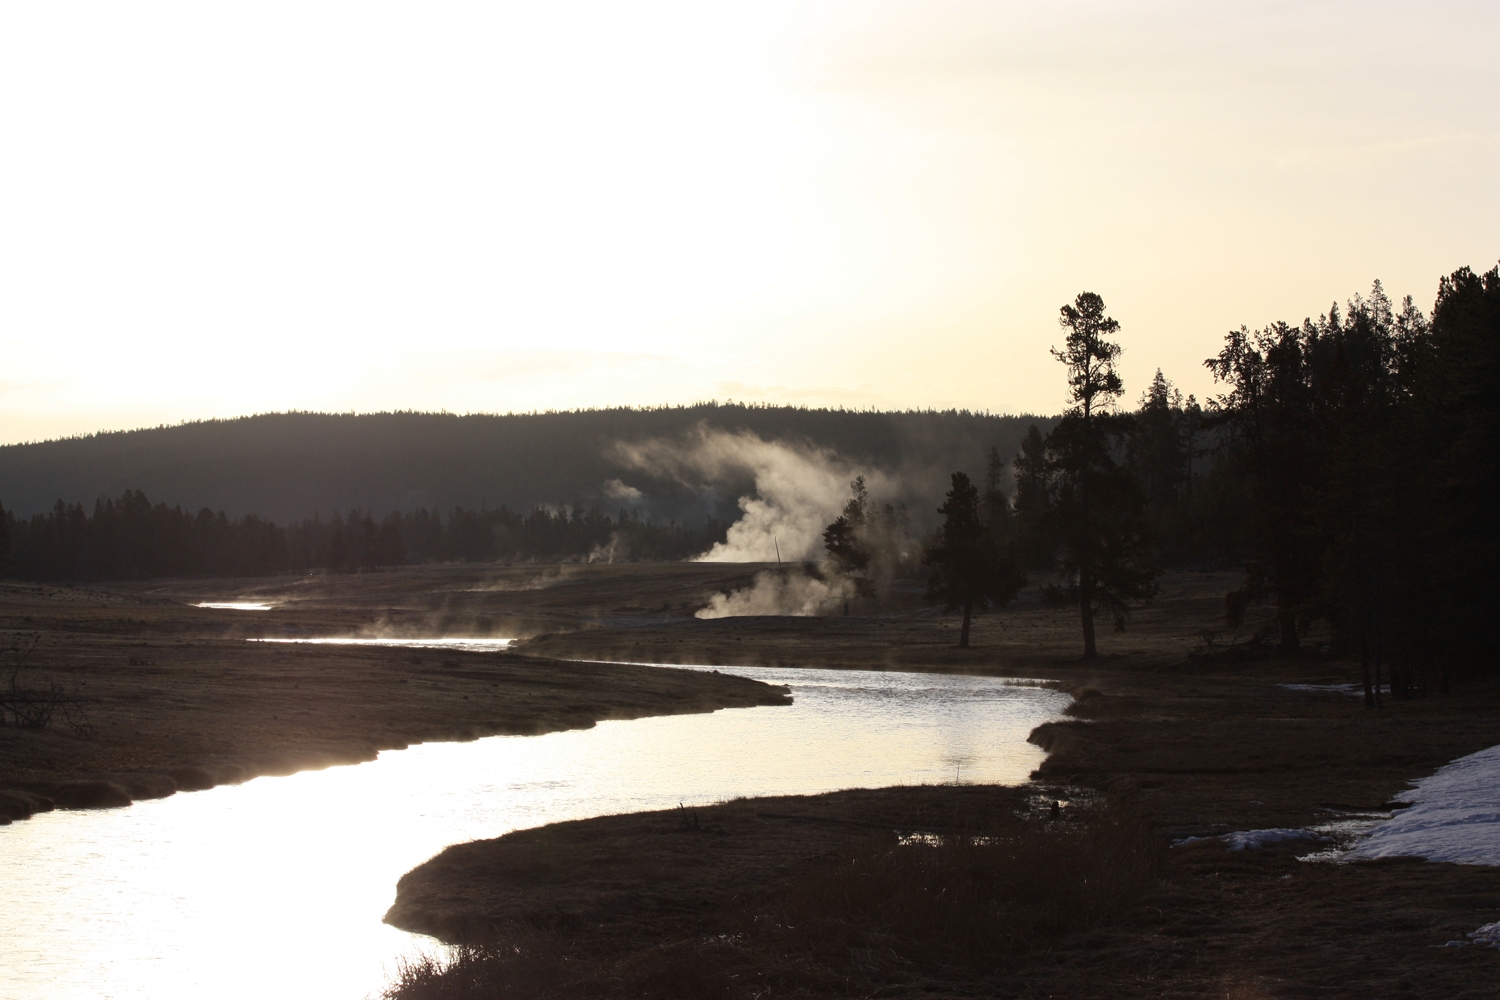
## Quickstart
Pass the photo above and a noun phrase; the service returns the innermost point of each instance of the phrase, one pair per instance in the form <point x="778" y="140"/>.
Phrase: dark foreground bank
<point x="982" y="890"/>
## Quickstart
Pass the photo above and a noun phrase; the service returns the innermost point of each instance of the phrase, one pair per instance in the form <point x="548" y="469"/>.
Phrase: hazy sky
<point x="212" y="209"/>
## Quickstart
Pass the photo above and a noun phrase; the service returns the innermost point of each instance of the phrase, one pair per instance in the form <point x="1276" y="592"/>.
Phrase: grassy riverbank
<point x="814" y="896"/>
<point x="149" y="695"/>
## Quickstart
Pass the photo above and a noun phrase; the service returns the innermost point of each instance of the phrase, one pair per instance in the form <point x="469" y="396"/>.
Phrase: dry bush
<point x="969" y="899"/>
<point x="29" y="706"/>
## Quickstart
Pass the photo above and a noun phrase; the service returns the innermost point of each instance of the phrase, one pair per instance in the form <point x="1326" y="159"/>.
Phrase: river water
<point x="276" y="887"/>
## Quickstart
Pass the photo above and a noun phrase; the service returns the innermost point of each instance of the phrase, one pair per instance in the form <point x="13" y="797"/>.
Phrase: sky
<point x="209" y="210"/>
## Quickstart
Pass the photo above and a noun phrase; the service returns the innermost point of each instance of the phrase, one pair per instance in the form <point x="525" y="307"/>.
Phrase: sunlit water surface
<point x="276" y="888"/>
<point x="472" y="645"/>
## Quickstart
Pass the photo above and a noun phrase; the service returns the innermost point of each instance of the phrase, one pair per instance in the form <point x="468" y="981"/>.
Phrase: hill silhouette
<point x="289" y="466"/>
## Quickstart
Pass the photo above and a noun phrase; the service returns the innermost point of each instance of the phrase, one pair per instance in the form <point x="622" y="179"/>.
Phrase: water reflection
<point x="277" y="887"/>
<point x="476" y="645"/>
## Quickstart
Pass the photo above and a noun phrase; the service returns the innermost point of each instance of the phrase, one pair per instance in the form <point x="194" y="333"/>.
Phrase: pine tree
<point x="1098" y="511"/>
<point x="1031" y="500"/>
<point x="1157" y="455"/>
<point x="848" y="554"/>
<point x="1267" y="416"/>
<point x="997" y="517"/>
<point x="970" y="568"/>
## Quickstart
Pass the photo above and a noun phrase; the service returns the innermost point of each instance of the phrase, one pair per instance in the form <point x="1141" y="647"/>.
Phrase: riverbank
<point x="150" y="695"/>
<point x="1184" y="743"/>
<point x="733" y="896"/>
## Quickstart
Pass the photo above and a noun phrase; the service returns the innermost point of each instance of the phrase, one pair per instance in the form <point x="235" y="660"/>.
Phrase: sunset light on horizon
<point x="211" y="210"/>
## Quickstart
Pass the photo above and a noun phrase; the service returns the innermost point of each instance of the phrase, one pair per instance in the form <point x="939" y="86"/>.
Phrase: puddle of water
<point x="277" y="887"/>
<point x="234" y="605"/>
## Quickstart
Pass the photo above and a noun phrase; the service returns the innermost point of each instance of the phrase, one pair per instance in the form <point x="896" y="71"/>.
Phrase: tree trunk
<point x="1364" y="663"/>
<point x="1375" y="638"/>
<point x="1287" y="617"/>
<point x="963" y="634"/>
<point x="1086" y="610"/>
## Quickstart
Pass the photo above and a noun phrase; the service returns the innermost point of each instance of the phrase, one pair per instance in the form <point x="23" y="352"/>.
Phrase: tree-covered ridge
<point x="291" y="466"/>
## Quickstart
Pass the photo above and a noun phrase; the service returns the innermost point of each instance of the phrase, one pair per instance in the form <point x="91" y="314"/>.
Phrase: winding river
<point x="276" y="887"/>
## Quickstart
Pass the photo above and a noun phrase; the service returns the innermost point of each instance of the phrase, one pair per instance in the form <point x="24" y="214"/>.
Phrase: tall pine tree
<point x="1098" y="510"/>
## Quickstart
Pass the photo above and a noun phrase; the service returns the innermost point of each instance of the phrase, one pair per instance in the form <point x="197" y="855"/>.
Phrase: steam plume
<point x="794" y="593"/>
<point x="799" y="488"/>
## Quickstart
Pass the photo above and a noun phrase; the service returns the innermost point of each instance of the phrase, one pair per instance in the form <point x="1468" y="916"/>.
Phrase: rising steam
<point x="798" y="489"/>
<point x="795" y="593"/>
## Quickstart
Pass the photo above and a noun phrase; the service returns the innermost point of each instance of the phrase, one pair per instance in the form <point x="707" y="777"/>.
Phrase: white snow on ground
<point x="1487" y="936"/>
<point x="1256" y="839"/>
<point x="1455" y="817"/>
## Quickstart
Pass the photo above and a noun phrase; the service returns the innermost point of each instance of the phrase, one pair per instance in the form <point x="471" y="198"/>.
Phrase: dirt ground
<point x="1191" y="745"/>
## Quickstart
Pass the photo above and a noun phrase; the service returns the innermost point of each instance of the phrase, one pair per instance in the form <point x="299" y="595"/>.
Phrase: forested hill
<point x="287" y="466"/>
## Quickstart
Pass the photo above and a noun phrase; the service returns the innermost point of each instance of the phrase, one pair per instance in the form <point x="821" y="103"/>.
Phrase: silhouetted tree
<point x="847" y="554"/>
<point x="1098" y="511"/>
<point x="970" y="567"/>
<point x="997" y="516"/>
<point x="1031" y="500"/>
<point x="1445" y="537"/>
<point x="1157" y="454"/>
<point x="1268" y="418"/>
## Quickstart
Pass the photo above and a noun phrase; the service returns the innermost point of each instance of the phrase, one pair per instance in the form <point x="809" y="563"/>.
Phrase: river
<point x="276" y="887"/>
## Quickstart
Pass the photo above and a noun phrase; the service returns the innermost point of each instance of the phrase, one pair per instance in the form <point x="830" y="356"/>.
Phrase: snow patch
<point x="1455" y="817"/>
<point x="1487" y="936"/>
<point x="1255" y="839"/>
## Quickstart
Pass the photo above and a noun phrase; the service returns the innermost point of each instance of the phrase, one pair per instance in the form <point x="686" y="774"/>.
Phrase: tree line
<point x="131" y="538"/>
<point x="1350" y="465"/>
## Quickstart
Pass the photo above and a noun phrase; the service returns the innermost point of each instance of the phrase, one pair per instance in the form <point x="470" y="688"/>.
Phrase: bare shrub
<point x="33" y="706"/>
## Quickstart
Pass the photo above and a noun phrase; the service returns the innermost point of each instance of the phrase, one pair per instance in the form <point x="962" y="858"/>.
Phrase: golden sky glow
<point x="210" y="210"/>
